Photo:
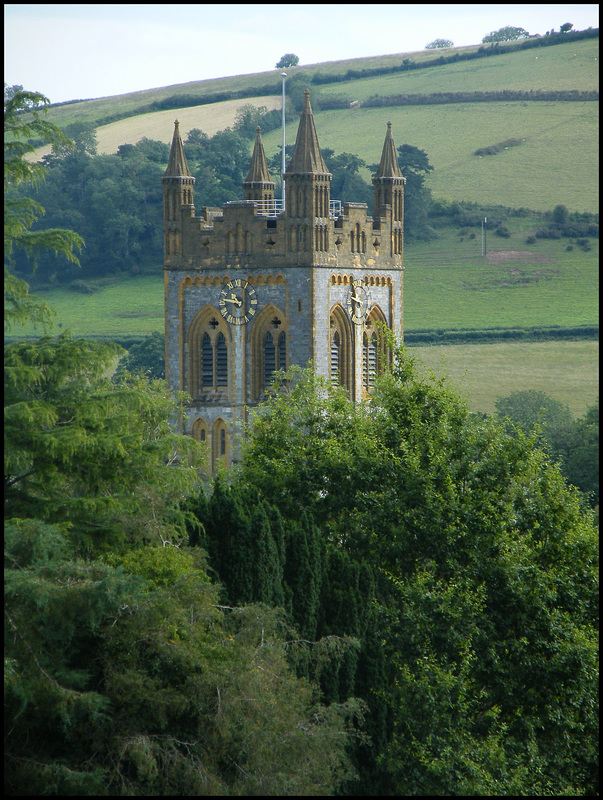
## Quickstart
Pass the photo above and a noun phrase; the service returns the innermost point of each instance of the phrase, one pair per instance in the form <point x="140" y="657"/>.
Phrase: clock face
<point x="359" y="301"/>
<point x="238" y="302"/>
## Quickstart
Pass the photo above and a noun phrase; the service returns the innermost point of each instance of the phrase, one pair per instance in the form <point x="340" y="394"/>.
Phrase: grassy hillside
<point x="562" y="67"/>
<point x="557" y="161"/>
<point x="93" y="110"/>
<point x="209" y="118"/>
<point x="448" y="284"/>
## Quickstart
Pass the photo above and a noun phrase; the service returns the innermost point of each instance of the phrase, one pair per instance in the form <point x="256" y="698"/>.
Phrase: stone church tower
<point x="251" y="288"/>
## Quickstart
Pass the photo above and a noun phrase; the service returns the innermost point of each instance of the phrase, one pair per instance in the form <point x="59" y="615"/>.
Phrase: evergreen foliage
<point x="79" y="447"/>
<point x="125" y="677"/>
<point x="24" y="118"/>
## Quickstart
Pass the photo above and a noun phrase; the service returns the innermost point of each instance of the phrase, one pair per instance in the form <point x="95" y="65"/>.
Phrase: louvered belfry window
<point x="282" y="351"/>
<point x="335" y="358"/>
<point x="269" y="359"/>
<point x="221" y="361"/>
<point x="369" y="360"/>
<point x="208" y="356"/>
<point x="207" y="361"/>
<point x="275" y="356"/>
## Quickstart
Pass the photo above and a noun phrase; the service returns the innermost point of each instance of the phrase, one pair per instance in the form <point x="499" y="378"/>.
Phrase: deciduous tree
<point x="506" y="34"/>
<point x="438" y="44"/>
<point x="415" y="166"/>
<point x="288" y="60"/>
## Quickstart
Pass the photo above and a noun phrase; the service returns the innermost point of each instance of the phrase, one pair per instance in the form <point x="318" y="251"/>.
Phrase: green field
<point x="132" y="307"/>
<point x="566" y="371"/>
<point x="448" y="284"/>
<point x="557" y="163"/>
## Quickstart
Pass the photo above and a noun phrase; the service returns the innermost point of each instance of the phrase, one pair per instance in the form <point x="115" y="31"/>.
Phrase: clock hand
<point x="233" y="299"/>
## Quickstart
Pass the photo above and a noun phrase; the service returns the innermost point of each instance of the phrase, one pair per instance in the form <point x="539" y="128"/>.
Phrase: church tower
<point x="251" y="288"/>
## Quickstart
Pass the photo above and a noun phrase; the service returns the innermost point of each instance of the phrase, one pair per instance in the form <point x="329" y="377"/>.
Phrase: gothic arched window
<point x="341" y="349"/>
<point x="199" y="430"/>
<point x="375" y="353"/>
<point x="268" y="349"/>
<point x="221" y="444"/>
<point x="208" y="354"/>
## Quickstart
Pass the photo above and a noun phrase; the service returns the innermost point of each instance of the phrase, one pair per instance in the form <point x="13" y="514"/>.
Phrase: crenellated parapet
<point x="305" y="232"/>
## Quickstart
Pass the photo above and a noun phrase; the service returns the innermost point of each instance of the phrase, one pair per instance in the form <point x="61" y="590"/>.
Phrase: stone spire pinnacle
<point x="388" y="186"/>
<point x="258" y="172"/>
<point x="177" y="166"/>
<point x="307" y="157"/>
<point x="389" y="167"/>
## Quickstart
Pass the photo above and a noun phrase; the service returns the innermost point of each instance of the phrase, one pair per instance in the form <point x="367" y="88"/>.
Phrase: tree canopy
<point x="506" y="34"/>
<point x="573" y="443"/>
<point x="415" y="166"/>
<point x="483" y="562"/>
<point x="124" y="676"/>
<point x="124" y="673"/>
<point x="288" y="60"/>
<point x="438" y="44"/>
<point x="397" y="597"/>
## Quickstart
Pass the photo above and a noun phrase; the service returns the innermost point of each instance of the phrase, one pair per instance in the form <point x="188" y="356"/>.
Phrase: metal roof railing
<point x="275" y="207"/>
